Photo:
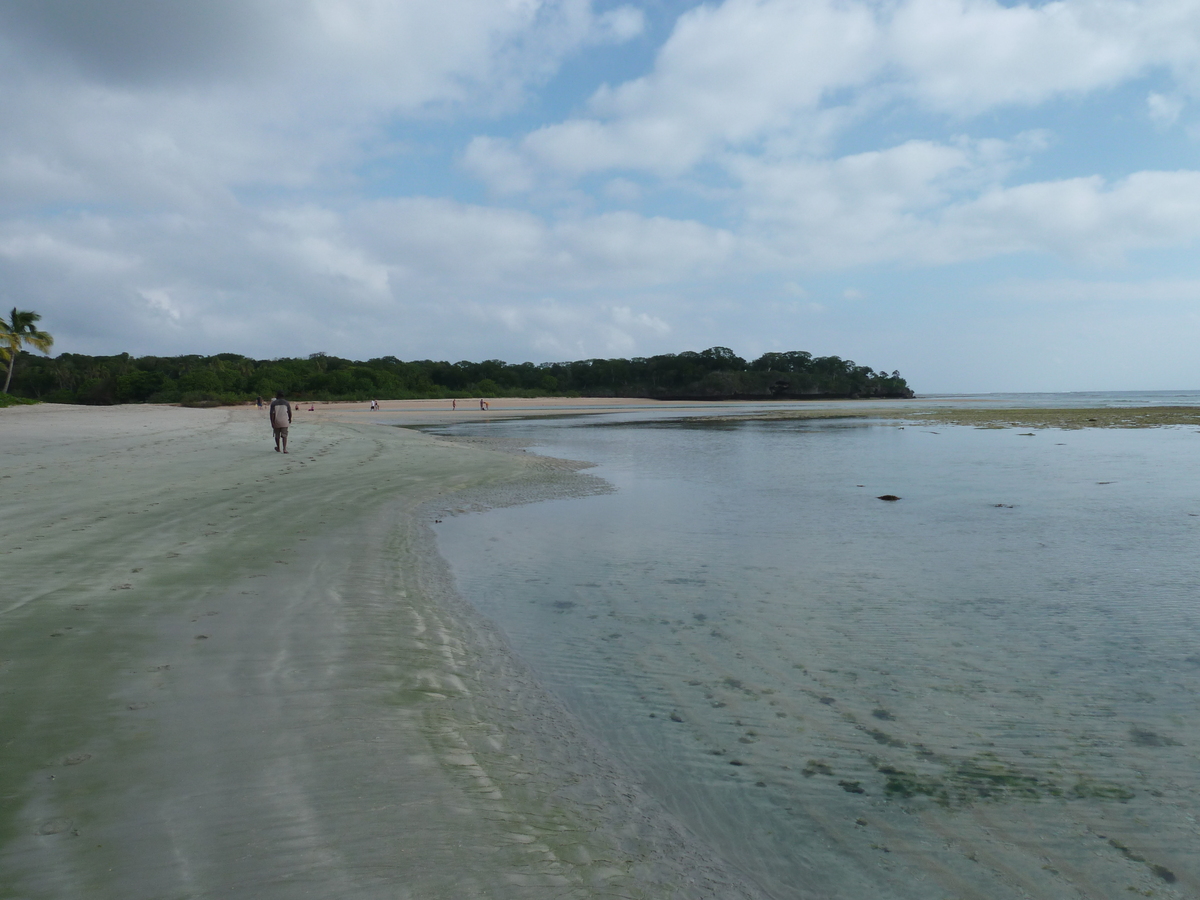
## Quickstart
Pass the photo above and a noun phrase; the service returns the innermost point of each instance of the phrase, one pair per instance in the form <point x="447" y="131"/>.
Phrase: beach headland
<point x="230" y="672"/>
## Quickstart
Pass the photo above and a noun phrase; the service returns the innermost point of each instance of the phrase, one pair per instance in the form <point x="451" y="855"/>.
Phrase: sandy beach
<point x="229" y="672"/>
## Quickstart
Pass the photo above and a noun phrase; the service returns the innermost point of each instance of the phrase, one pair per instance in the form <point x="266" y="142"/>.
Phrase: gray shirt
<point x="281" y="413"/>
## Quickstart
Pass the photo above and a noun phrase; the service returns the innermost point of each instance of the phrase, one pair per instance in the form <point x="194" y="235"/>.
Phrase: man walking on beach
<point x="281" y="418"/>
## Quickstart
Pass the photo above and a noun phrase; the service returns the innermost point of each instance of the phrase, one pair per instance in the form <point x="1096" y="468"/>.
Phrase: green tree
<point x="21" y="328"/>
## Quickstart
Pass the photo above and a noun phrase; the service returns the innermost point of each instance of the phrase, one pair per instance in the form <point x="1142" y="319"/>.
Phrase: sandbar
<point x="226" y="671"/>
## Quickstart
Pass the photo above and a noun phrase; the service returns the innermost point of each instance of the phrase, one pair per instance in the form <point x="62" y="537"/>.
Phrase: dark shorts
<point x="280" y="432"/>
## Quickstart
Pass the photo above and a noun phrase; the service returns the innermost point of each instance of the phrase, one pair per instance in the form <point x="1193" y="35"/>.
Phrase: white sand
<point x="229" y="672"/>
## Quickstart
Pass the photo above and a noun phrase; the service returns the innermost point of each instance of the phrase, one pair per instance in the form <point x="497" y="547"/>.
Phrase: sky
<point x="985" y="196"/>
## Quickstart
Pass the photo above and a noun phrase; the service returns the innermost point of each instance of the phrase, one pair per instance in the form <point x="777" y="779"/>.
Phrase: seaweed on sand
<point x="985" y="778"/>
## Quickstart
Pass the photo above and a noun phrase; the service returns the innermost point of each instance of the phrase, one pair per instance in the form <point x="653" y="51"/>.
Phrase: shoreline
<point x="232" y="671"/>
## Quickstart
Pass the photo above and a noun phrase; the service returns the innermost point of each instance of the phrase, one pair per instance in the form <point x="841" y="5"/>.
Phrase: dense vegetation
<point x="715" y="373"/>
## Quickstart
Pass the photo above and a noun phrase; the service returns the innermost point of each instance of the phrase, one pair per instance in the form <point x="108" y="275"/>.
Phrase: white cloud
<point x="435" y="243"/>
<point x="866" y="207"/>
<point x="626" y="248"/>
<point x="622" y="190"/>
<point x="749" y="72"/>
<point x="1163" y="110"/>
<point x="621" y="24"/>
<point x="159" y="299"/>
<point x="1084" y="219"/>
<point x="966" y="56"/>
<point x="153" y="105"/>
<point x="931" y="204"/>
<point x="562" y="331"/>
<point x="42" y="250"/>
<point x="726" y="76"/>
<point x="627" y="318"/>
<point x="314" y="239"/>
<point x="438" y="241"/>
<point x="1181" y="292"/>
<point x="399" y="56"/>
<point x="495" y="162"/>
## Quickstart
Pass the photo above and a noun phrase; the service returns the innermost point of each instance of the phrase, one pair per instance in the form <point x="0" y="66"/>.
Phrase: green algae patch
<point x="882" y="737"/>
<point x="1086" y="789"/>
<point x="985" y="778"/>
<point x="1161" y="871"/>
<point x="1071" y="418"/>
<point x="1115" y="417"/>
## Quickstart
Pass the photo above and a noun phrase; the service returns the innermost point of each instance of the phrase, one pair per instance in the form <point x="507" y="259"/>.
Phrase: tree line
<point x="228" y="378"/>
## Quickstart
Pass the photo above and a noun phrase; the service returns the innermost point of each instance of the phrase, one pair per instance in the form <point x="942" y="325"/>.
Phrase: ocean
<point x="986" y="688"/>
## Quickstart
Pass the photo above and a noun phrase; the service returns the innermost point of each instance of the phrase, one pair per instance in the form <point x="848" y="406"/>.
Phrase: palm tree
<point x="21" y="328"/>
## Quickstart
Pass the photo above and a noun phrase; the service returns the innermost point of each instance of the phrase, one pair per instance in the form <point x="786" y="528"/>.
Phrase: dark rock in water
<point x="888" y="497"/>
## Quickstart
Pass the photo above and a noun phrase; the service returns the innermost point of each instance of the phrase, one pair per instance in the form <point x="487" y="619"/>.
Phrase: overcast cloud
<point x="985" y="196"/>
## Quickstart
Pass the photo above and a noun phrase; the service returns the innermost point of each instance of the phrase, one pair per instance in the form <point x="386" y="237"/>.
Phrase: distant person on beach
<point x="454" y="404"/>
<point x="281" y="418"/>
<point x="482" y="403"/>
<point x="259" y="401"/>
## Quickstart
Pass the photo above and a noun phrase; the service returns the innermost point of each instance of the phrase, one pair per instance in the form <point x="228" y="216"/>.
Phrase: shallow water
<point x="985" y="689"/>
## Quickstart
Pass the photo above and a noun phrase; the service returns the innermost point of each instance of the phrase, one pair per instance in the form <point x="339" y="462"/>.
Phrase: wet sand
<point x="440" y="412"/>
<point x="230" y="672"/>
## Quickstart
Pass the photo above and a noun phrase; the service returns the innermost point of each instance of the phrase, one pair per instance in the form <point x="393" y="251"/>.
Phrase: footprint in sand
<point x="54" y="826"/>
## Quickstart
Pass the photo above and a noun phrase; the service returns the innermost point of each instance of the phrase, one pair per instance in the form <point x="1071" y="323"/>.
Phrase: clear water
<point x="985" y="689"/>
